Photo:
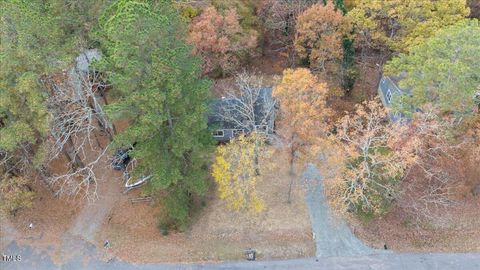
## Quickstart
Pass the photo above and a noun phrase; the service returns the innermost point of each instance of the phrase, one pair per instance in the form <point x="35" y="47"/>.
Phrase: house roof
<point x="390" y="83"/>
<point x="216" y="108"/>
<point x="218" y="105"/>
<point x="387" y="83"/>
<point x="84" y="59"/>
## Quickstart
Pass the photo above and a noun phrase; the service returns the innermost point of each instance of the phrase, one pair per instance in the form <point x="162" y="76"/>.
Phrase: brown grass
<point x="282" y="231"/>
<point x="50" y="216"/>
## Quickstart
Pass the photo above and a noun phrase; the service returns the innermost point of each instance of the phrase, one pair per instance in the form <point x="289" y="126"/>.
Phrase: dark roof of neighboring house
<point x="387" y="83"/>
<point x="85" y="58"/>
<point x="214" y="117"/>
<point x="391" y="83"/>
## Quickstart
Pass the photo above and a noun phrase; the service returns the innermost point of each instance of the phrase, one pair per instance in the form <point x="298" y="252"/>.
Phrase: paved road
<point x="32" y="259"/>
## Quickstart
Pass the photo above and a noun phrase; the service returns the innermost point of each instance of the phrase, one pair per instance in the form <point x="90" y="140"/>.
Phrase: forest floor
<point x="398" y="232"/>
<point x="450" y="229"/>
<point x="66" y="228"/>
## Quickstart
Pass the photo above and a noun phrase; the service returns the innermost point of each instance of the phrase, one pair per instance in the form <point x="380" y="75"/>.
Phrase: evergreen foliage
<point x="162" y="96"/>
<point x="30" y="47"/>
<point x="443" y="71"/>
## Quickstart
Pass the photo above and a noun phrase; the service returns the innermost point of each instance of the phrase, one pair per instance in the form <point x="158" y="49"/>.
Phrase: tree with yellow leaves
<point x="235" y="171"/>
<point x="15" y="194"/>
<point x="401" y="24"/>
<point x="303" y="114"/>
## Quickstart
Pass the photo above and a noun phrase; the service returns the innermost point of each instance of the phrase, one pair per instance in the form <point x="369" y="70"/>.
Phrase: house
<point x="81" y="69"/>
<point x="389" y="91"/>
<point x="229" y="117"/>
<point x="84" y="59"/>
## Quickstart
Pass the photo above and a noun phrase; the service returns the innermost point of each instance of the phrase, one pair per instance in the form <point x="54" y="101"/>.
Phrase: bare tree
<point x="376" y="154"/>
<point x="279" y="19"/>
<point x="476" y="99"/>
<point x="90" y="84"/>
<point x="430" y="186"/>
<point x="82" y="180"/>
<point x="77" y="119"/>
<point x="250" y="106"/>
<point x="14" y="164"/>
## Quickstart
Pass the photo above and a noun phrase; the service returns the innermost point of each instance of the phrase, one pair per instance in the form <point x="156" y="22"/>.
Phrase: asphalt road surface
<point x="32" y="259"/>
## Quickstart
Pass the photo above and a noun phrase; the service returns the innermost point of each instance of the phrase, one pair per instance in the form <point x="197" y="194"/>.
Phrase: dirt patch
<point x="269" y="64"/>
<point x="282" y="231"/>
<point x="50" y="217"/>
<point x="60" y="224"/>
<point x="270" y="67"/>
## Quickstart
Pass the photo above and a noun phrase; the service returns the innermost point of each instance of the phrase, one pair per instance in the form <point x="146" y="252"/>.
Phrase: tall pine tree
<point x="30" y="47"/>
<point x="162" y="96"/>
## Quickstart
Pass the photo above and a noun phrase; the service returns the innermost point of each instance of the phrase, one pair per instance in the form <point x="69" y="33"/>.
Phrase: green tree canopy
<point x="161" y="95"/>
<point x="79" y="20"/>
<point x="30" y="47"/>
<point x="443" y="71"/>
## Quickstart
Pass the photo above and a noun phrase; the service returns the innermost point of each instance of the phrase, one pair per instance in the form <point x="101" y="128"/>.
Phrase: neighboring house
<point x="229" y="117"/>
<point x="82" y="68"/>
<point x="85" y="58"/>
<point x="389" y="91"/>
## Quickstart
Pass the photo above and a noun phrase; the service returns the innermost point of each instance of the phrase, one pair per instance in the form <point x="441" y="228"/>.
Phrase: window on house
<point x="218" y="133"/>
<point x="389" y="96"/>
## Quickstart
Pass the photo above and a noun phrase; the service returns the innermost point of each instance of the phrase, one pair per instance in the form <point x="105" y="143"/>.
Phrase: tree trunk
<point x="170" y="121"/>
<point x="255" y="159"/>
<point x="103" y="126"/>
<point x="75" y="161"/>
<point x="103" y="94"/>
<point x="291" y="174"/>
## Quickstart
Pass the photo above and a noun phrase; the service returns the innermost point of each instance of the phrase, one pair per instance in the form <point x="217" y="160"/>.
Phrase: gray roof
<point x="388" y="84"/>
<point x="216" y="121"/>
<point x="85" y="58"/>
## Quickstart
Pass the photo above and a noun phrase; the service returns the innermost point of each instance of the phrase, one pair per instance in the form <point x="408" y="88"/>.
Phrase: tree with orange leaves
<point x="303" y="114"/>
<point x="320" y="33"/>
<point x="221" y="41"/>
